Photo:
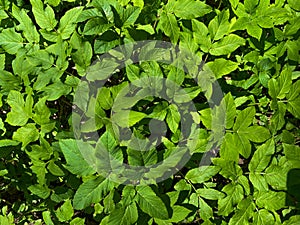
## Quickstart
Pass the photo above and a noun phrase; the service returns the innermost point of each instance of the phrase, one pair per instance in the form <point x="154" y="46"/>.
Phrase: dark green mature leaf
<point x="150" y="203"/>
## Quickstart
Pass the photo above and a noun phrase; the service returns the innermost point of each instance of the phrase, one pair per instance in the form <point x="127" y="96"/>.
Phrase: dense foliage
<point x="250" y="46"/>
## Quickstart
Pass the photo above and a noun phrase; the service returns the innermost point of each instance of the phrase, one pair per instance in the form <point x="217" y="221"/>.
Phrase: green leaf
<point x="234" y="194"/>
<point x="67" y="23"/>
<point x="226" y="45"/>
<point x="206" y="211"/>
<point x="219" y="26"/>
<point x="91" y="191"/>
<point x="101" y="70"/>
<point x="244" y="118"/>
<point x="26" y="134"/>
<point x="26" y="25"/>
<point x="123" y="215"/>
<point x="130" y="15"/>
<point x="10" y="40"/>
<point x="41" y="112"/>
<point x="108" y="156"/>
<point x="168" y="24"/>
<point x="19" y="115"/>
<point x="104" y="98"/>
<point x="53" y="2"/>
<point x="202" y="174"/>
<point x="173" y="118"/>
<point x="40" y="190"/>
<point x="262" y="156"/>
<point x="263" y="217"/>
<point x="244" y="212"/>
<point x="65" y="212"/>
<point x="96" y="26"/>
<point x="255" y="133"/>
<point x="78" y="155"/>
<point x="190" y="9"/>
<point x="45" y="18"/>
<point x="258" y="181"/>
<point x="210" y="194"/>
<point x="221" y="67"/>
<point x="150" y="203"/>
<point x="292" y="153"/>
<point x="230" y="147"/>
<point x="271" y="200"/>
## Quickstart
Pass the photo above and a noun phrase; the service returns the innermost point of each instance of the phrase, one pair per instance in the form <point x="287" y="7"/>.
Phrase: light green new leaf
<point x="91" y="191"/>
<point x="67" y="23"/>
<point x="65" y="212"/>
<point x="206" y="211"/>
<point x="19" y="114"/>
<point x="226" y="45"/>
<point x="262" y="156"/>
<point x="10" y="40"/>
<point x="45" y="18"/>
<point x="26" y="134"/>
<point x="255" y="133"/>
<point x="219" y="26"/>
<point x="168" y="24"/>
<point x="173" y="118"/>
<point x="79" y="156"/>
<point x="258" y="181"/>
<point x="221" y="67"/>
<point x="41" y="112"/>
<point x="271" y="200"/>
<point x="230" y="147"/>
<point x="263" y="217"/>
<point x="150" y="203"/>
<point x="26" y="25"/>
<point x="53" y="2"/>
<point x="190" y="9"/>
